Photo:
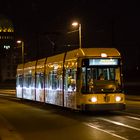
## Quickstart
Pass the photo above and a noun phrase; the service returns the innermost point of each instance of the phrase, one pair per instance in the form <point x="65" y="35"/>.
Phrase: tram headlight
<point x="93" y="99"/>
<point x="118" y="98"/>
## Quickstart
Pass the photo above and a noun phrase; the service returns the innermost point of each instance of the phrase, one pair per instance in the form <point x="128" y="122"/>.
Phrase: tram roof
<point x="40" y="65"/>
<point x="29" y="67"/>
<point x="73" y="54"/>
<point x="56" y="58"/>
<point x="29" y="64"/>
<point x="20" y="69"/>
<point x="41" y="62"/>
<point x="84" y="52"/>
<point x="96" y="52"/>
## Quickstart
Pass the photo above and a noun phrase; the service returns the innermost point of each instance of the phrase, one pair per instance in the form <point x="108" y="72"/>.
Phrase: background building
<point x="8" y="62"/>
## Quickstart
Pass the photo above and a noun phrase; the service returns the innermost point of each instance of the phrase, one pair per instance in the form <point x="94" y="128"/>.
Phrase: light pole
<point x="75" y="24"/>
<point x="22" y="46"/>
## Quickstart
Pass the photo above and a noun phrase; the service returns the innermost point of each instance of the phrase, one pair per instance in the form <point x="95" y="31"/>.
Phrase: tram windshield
<point x="103" y="78"/>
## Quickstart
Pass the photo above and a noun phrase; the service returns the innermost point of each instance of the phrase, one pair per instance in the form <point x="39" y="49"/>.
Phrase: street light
<point x="75" y="24"/>
<point x="22" y="46"/>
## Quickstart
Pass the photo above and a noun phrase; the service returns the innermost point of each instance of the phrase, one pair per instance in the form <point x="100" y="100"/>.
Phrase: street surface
<point x="25" y="120"/>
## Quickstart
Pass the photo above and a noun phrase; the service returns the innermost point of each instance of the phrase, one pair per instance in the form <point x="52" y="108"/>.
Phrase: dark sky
<point x="105" y="23"/>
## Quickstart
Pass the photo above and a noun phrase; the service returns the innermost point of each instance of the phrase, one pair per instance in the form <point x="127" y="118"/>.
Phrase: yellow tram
<point x="88" y="79"/>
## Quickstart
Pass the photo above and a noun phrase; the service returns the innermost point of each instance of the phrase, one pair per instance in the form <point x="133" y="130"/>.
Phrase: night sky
<point x="105" y="23"/>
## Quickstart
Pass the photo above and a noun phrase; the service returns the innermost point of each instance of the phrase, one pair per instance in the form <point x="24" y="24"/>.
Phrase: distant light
<point x="75" y="24"/>
<point x="6" y="47"/>
<point x="103" y="55"/>
<point x="19" y="41"/>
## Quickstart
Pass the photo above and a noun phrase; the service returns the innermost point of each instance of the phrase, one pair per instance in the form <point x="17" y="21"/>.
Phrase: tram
<point x="87" y="79"/>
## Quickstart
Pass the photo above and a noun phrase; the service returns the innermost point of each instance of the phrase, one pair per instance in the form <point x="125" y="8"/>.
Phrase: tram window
<point x="39" y="80"/>
<point x="106" y="73"/>
<point x="50" y="80"/>
<point x="83" y="76"/>
<point x="70" y="80"/>
<point x="54" y="80"/>
<point x="30" y="80"/>
<point x="91" y="73"/>
<point x="90" y="77"/>
<point x="112" y="74"/>
<point x="33" y="81"/>
<point x="84" y="79"/>
<point x="47" y="81"/>
<point x="59" y="80"/>
<point x="19" y="80"/>
<point x="27" y="81"/>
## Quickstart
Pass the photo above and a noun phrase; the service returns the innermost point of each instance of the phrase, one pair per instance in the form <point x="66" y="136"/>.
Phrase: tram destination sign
<point x="103" y="62"/>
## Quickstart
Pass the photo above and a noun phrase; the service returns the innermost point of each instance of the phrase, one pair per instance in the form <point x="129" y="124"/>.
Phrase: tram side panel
<point x="19" y="81"/>
<point x="40" y="80"/>
<point x="29" y="81"/>
<point x="54" y="80"/>
<point x="70" y="84"/>
<point x="53" y="84"/>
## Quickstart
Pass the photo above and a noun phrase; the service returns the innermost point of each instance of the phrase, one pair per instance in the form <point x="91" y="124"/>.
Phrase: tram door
<point x="70" y="85"/>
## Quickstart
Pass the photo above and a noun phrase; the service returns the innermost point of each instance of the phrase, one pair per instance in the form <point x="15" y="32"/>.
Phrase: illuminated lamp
<point x="103" y="55"/>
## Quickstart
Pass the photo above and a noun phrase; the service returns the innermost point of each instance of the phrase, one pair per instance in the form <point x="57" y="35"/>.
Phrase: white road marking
<point x="115" y="135"/>
<point x="135" y="118"/>
<point x="121" y="124"/>
<point x="132" y="114"/>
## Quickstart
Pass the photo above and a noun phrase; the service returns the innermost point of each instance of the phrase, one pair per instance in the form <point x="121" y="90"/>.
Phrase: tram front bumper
<point x="103" y="107"/>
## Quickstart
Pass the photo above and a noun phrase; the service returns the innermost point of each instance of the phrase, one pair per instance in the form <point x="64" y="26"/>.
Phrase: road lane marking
<point x="132" y="114"/>
<point x="121" y="124"/>
<point x="97" y="128"/>
<point x="135" y="118"/>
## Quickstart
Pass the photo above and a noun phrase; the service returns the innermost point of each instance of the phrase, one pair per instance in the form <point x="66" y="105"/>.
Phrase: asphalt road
<point x="23" y="120"/>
